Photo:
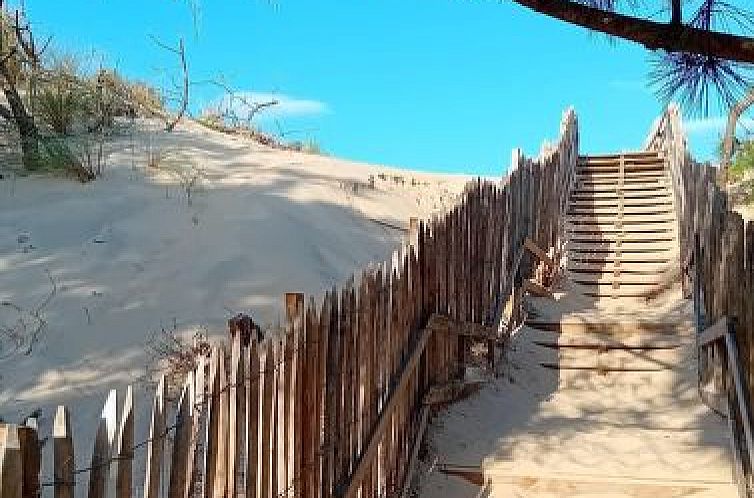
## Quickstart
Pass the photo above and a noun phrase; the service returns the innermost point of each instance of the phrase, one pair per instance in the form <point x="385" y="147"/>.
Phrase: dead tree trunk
<point x="730" y="129"/>
<point x="24" y="121"/>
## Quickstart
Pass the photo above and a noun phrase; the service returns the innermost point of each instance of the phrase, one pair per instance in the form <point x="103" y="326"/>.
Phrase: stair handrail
<point x="668" y="138"/>
<point x="717" y="357"/>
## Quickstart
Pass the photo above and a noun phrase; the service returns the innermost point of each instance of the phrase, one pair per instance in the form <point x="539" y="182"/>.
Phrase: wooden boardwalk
<point x="599" y="396"/>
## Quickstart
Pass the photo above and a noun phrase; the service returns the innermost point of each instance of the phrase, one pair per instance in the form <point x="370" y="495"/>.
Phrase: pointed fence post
<point x="125" y="454"/>
<point x="156" y="444"/>
<point x="30" y="457"/>
<point x="63" y="454"/>
<point x="103" y="445"/>
<point x="11" y="469"/>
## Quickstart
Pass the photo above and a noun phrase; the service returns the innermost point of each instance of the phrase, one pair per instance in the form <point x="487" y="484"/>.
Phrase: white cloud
<point x="287" y="106"/>
<point x="714" y="125"/>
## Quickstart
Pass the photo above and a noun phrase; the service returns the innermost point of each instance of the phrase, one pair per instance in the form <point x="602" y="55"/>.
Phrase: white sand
<point x="129" y="255"/>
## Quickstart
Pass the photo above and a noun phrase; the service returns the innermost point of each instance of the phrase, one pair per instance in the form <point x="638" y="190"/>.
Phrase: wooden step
<point x="606" y="291"/>
<point x="586" y="202"/>
<point x="616" y="176"/>
<point x="581" y="195"/>
<point x="557" y="486"/>
<point x="634" y="247"/>
<point x="609" y="327"/>
<point x="642" y="210"/>
<point x="617" y="155"/>
<point x="615" y="180"/>
<point x="638" y="340"/>
<point x="603" y="187"/>
<point x="628" y="238"/>
<point x="614" y="168"/>
<point x="601" y="258"/>
<point x="625" y="229"/>
<point x="617" y="359"/>
<point x="622" y="278"/>
<point x="618" y="457"/>
<point x="626" y="219"/>
<point x="609" y="267"/>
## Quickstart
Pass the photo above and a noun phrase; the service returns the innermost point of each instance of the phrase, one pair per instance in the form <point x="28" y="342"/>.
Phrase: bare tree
<point x="183" y="88"/>
<point x="729" y="138"/>
<point x="19" y="59"/>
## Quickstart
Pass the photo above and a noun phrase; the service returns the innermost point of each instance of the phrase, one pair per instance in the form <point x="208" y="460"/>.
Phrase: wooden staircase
<point x="621" y="227"/>
<point x="624" y="418"/>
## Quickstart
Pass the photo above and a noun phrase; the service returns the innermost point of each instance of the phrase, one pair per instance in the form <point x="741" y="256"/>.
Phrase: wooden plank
<point x="280" y="469"/>
<point x="310" y="412"/>
<point x="536" y="289"/>
<point x="125" y="452"/>
<point x="234" y="402"/>
<point x="30" y="457"/>
<point x="156" y="442"/>
<point x="414" y="458"/>
<point x="267" y="382"/>
<point x="737" y="373"/>
<point x="538" y="252"/>
<point x="210" y="442"/>
<point x="331" y="391"/>
<point x="63" y="457"/>
<point x="445" y="325"/>
<point x="626" y="219"/>
<point x="367" y="456"/>
<point x="714" y="332"/>
<point x="451" y="391"/>
<point x="103" y="444"/>
<point x="178" y="485"/>
<point x="193" y="472"/>
<point x="220" y="429"/>
<point x="320" y="469"/>
<point x="294" y="312"/>
<point x="11" y="462"/>
<point x="252" y="398"/>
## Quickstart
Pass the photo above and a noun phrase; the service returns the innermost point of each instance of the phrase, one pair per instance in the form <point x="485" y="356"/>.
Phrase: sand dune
<point x="128" y="254"/>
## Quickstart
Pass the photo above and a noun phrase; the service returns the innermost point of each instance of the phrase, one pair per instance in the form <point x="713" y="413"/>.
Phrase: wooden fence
<point x="717" y="254"/>
<point x="334" y="406"/>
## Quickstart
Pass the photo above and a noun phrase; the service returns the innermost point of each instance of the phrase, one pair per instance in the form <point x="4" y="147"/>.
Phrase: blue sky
<point x="436" y="85"/>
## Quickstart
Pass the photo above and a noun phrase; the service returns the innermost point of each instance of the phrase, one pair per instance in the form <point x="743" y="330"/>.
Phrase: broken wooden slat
<point x="536" y="289"/>
<point x="714" y="332"/>
<point x="446" y="325"/>
<point x="538" y="252"/>
<point x="451" y="391"/>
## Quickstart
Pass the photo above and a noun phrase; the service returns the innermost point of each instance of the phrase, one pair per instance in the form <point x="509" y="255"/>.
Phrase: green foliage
<point x="742" y="169"/>
<point x="62" y="156"/>
<point x="743" y="160"/>
<point x="62" y="97"/>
